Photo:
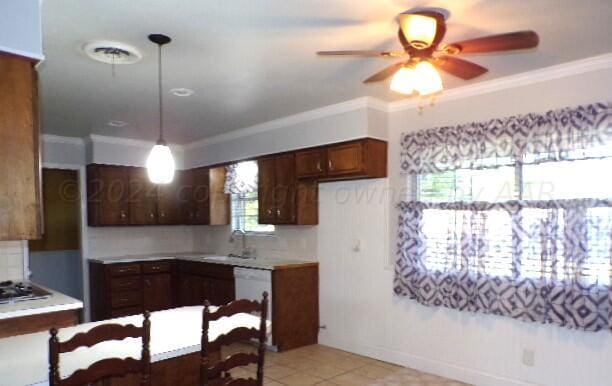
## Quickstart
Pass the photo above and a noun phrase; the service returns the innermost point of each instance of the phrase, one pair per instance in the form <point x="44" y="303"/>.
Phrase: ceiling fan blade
<point x="363" y="53"/>
<point x="503" y="42"/>
<point x="386" y="73"/>
<point x="459" y="67"/>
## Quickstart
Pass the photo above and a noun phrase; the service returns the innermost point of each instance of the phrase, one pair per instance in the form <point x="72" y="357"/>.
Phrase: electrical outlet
<point x="529" y="357"/>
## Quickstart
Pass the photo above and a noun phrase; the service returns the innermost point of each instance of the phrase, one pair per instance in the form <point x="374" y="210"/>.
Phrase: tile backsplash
<point x="287" y="242"/>
<point x="11" y="260"/>
<point x="120" y="241"/>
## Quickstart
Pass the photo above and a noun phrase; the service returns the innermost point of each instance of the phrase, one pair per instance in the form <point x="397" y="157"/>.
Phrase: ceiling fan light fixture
<point x="427" y="80"/>
<point x="403" y="81"/>
<point x="419" y="30"/>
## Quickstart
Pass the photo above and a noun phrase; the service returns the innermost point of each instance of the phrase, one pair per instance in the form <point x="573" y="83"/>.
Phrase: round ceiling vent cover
<point x="112" y="52"/>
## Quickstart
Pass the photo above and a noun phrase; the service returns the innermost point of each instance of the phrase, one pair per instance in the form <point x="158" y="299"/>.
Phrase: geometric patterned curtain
<point x="553" y="136"/>
<point x="241" y="177"/>
<point x="541" y="261"/>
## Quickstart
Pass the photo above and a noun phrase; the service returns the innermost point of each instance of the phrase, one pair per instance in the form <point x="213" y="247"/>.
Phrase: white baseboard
<point x="427" y="365"/>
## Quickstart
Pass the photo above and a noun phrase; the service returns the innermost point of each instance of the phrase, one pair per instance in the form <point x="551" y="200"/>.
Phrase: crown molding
<point x="95" y="138"/>
<point x="595" y="63"/>
<point x="306" y="116"/>
<point x="51" y="138"/>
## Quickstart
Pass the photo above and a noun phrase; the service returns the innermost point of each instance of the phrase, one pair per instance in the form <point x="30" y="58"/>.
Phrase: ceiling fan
<point x="420" y="34"/>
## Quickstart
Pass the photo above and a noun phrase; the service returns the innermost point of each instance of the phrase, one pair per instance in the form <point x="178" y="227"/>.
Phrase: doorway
<point x="55" y="260"/>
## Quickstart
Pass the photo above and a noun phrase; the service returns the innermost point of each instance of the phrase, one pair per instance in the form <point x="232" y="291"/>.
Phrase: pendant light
<point x="160" y="163"/>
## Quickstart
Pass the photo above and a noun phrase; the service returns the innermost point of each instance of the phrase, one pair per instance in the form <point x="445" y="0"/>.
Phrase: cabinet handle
<point x="162" y="214"/>
<point x="319" y="166"/>
<point x="151" y="215"/>
<point x="147" y="282"/>
<point x="155" y="268"/>
<point x="122" y="215"/>
<point x="278" y="212"/>
<point x="330" y="164"/>
<point x="269" y="211"/>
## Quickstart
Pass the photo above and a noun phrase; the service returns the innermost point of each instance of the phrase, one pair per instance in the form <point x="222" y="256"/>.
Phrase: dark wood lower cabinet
<point x="123" y="289"/>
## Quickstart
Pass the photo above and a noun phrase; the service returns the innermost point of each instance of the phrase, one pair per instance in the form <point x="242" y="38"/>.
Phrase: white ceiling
<point x="253" y="61"/>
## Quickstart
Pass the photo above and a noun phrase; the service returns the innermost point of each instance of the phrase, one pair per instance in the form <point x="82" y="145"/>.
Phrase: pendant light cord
<point x="159" y="91"/>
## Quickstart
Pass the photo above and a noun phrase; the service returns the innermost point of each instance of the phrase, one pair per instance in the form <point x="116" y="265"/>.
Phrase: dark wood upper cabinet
<point x="107" y="195"/>
<point x="285" y="189"/>
<point x="310" y="163"/>
<point x="203" y="200"/>
<point x="142" y="198"/>
<point x="282" y="200"/>
<point x="20" y="193"/>
<point x="169" y="201"/>
<point x="364" y="158"/>
<point x="265" y="190"/>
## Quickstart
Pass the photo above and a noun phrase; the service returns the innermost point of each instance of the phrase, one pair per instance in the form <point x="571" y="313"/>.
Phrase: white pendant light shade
<point x="419" y="30"/>
<point x="160" y="164"/>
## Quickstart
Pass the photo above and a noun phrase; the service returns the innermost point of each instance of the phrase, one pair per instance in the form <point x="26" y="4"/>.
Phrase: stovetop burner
<point x="11" y="292"/>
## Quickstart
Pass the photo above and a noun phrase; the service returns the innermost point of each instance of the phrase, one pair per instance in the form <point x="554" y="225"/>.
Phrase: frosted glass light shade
<point x="427" y="79"/>
<point x="419" y="30"/>
<point x="160" y="164"/>
<point x="403" y="81"/>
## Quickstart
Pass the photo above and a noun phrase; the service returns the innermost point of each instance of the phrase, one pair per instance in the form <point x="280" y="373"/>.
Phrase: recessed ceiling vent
<point x="110" y="52"/>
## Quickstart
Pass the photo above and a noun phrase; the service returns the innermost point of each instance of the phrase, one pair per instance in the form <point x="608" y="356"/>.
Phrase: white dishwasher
<point x="251" y="284"/>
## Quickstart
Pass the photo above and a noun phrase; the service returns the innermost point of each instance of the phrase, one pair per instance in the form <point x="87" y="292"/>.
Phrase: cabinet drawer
<point x="119" y="312"/>
<point x="156" y="267"/>
<point x="127" y="283"/>
<point x="125" y="299"/>
<point x="124" y="269"/>
<point x="207" y="269"/>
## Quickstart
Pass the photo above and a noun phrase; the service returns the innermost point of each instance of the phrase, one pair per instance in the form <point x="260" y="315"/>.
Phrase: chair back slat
<point x="239" y="334"/>
<point x="105" y="368"/>
<point x="240" y="359"/>
<point x="217" y="374"/>
<point x="233" y="308"/>
<point x="98" y="334"/>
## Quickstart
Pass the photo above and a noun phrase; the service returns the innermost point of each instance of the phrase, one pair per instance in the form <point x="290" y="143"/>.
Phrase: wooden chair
<point x="218" y="374"/>
<point x="105" y="368"/>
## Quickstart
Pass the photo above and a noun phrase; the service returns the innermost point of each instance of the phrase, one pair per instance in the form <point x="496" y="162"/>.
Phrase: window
<point x="241" y="183"/>
<point x="446" y="230"/>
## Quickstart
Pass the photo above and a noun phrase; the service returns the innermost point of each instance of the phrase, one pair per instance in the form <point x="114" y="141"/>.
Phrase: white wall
<point x="121" y="151"/>
<point x="480" y="349"/>
<point x="20" y="28"/>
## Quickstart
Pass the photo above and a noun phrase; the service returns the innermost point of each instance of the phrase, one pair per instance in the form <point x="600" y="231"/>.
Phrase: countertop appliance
<point x="11" y="292"/>
<point x="250" y="284"/>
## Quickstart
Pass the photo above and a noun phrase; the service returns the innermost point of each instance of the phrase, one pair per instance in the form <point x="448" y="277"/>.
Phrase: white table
<point x="176" y="332"/>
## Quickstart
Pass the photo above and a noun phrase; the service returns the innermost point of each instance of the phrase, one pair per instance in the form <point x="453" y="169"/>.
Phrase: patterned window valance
<point x="241" y="177"/>
<point x="553" y="136"/>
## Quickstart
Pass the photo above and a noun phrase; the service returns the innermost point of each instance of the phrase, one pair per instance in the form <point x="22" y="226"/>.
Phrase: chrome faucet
<point x="246" y="253"/>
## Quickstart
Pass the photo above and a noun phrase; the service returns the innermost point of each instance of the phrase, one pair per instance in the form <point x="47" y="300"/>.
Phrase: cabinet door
<point x="219" y="291"/>
<point x="168" y="201"/>
<point x="108" y="193"/>
<point x="191" y="290"/>
<point x="285" y="189"/>
<point x="20" y="206"/>
<point x="185" y="196"/>
<point x="157" y="292"/>
<point x="201" y="196"/>
<point x="142" y="198"/>
<point x="310" y="163"/>
<point x="345" y="159"/>
<point x="267" y="211"/>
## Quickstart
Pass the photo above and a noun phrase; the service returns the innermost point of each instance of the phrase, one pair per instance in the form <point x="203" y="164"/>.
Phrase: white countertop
<point x="56" y="302"/>
<point x="176" y="332"/>
<point x="258" y="263"/>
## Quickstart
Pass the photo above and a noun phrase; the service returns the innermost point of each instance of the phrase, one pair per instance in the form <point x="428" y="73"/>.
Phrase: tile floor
<point x="321" y="365"/>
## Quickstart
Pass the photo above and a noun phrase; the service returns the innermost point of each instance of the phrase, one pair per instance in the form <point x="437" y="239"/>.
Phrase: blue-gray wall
<point x="58" y="270"/>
